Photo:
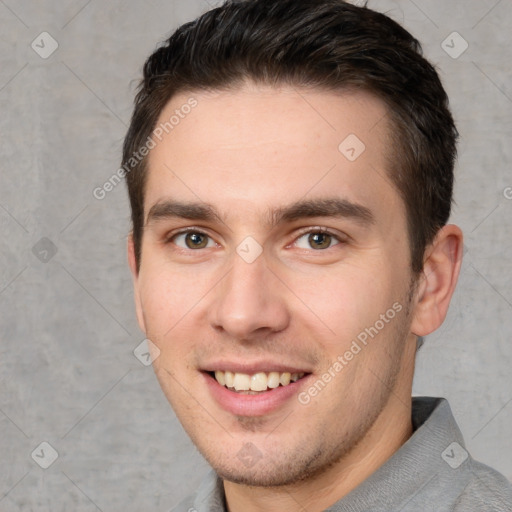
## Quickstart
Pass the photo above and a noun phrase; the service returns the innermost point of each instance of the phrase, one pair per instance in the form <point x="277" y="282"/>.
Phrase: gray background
<point x="68" y="374"/>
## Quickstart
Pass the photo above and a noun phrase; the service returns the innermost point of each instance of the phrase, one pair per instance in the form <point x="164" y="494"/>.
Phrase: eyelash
<point x="306" y="231"/>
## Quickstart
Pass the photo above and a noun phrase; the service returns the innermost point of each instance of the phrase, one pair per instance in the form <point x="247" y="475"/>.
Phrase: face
<point x="275" y="278"/>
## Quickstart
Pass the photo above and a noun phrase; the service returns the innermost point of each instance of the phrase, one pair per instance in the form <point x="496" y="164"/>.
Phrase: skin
<point x="246" y="152"/>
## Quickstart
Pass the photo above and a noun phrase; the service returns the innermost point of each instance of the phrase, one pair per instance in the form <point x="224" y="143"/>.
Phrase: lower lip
<point x="241" y="404"/>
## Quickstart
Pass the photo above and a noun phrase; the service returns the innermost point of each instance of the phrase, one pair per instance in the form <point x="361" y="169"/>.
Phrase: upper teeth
<point x="256" y="382"/>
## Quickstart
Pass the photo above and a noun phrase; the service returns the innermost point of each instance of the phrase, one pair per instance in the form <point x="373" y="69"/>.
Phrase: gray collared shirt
<point x="431" y="472"/>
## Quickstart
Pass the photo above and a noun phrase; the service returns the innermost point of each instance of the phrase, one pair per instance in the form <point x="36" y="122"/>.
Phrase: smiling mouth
<point x="256" y="383"/>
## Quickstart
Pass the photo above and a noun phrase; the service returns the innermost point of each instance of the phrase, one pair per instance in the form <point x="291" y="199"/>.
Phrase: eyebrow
<point x="327" y="207"/>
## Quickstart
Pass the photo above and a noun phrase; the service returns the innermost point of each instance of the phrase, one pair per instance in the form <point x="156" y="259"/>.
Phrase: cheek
<point x="166" y="297"/>
<point x="174" y="304"/>
<point x="343" y="303"/>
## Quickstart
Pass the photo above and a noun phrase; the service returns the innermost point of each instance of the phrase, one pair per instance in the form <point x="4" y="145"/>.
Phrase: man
<point x="290" y="172"/>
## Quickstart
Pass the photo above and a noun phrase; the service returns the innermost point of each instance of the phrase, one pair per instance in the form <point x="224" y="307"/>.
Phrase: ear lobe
<point x="130" y="246"/>
<point x="132" y="262"/>
<point x="440" y="274"/>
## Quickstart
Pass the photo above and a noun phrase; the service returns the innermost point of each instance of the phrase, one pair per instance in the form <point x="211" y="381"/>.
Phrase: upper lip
<point x="251" y="368"/>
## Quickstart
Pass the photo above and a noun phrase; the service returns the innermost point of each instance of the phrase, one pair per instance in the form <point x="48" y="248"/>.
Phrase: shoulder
<point x="485" y="489"/>
<point x="185" y="505"/>
<point x="209" y="496"/>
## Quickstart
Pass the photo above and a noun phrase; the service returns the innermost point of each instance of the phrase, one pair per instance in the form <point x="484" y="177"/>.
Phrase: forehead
<point x="255" y="114"/>
<point x="267" y="146"/>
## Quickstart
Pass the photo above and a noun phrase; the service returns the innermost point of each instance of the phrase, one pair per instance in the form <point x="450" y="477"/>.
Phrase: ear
<point x="132" y="261"/>
<point x="441" y="267"/>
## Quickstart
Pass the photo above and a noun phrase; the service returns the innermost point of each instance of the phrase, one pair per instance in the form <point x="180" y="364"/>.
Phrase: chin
<point x="263" y="477"/>
<point x="251" y="468"/>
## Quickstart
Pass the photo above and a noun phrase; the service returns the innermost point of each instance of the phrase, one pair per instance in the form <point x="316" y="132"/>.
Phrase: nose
<point x="249" y="302"/>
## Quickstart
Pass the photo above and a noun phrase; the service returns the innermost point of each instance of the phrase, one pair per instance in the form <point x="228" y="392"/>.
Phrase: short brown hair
<point x="324" y="44"/>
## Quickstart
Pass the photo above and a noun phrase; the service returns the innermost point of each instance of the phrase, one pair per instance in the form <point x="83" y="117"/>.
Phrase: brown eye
<point x="317" y="240"/>
<point x="320" y="240"/>
<point x="192" y="240"/>
<point x="196" y="240"/>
